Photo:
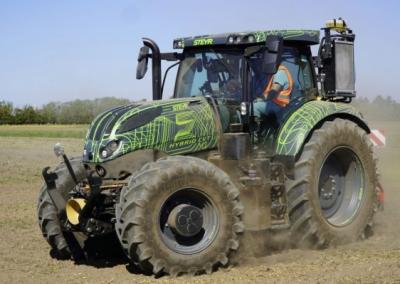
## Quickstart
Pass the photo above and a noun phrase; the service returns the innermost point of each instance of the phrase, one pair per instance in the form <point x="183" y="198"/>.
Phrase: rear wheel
<point x="332" y="199"/>
<point x="179" y="215"/>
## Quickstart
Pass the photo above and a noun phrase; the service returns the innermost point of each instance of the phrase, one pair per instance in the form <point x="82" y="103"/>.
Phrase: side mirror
<point x="272" y="54"/>
<point x="143" y="60"/>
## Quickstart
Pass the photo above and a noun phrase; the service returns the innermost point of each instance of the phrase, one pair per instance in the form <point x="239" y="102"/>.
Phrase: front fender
<point x="300" y="124"/>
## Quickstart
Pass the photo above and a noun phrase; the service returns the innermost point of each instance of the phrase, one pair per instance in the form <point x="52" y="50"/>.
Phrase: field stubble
<point x="24" y="255"/>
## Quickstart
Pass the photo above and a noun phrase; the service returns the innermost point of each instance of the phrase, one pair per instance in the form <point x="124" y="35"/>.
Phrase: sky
<point x="66" y="50"/>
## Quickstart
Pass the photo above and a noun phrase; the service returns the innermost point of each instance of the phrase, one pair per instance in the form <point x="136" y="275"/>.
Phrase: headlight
<point x="110" y="148"/>
<point x="113" y="145"/>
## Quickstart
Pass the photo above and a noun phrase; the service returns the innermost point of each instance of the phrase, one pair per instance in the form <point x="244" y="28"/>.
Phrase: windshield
<point x="212" y="73"/>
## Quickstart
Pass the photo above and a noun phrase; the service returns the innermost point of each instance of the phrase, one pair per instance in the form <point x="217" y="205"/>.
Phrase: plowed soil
<point x="25" y="258"/>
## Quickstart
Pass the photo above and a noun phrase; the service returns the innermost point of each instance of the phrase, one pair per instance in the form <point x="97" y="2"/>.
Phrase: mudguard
<point x="295" y="130"/>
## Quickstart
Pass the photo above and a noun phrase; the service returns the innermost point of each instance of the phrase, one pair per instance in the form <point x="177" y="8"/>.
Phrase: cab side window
<point x="306" y="77"/>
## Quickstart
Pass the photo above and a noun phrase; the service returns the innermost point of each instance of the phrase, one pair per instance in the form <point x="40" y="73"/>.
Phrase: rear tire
<point x="157" y="191"/>
<point x="333" y="199"/>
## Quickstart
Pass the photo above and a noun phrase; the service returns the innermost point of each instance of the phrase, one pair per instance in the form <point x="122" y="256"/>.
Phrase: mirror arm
<point x="171" y="56"/>
<point x="156" y="67"/>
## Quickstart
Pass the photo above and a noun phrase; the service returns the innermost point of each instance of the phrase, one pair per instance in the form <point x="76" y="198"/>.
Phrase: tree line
<point x="379" y="108"/>
<point x="83" y="111"/>
<point x="73" y="112"/>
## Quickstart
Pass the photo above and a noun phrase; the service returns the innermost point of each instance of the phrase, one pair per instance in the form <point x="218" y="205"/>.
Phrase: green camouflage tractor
<point x="187" y="182"/>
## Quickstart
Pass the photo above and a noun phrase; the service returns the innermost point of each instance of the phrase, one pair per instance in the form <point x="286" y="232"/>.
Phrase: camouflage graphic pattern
<point x="302" y="121"/>
<point x="175" y="126"/>
<point x="308" y="36"/>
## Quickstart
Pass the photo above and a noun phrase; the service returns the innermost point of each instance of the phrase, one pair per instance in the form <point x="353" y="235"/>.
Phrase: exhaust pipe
<point x="74" y="208"/>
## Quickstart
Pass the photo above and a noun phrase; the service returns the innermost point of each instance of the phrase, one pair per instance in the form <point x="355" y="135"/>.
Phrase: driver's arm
<point x="275" y="90"/>
<point x="280" y="82"/>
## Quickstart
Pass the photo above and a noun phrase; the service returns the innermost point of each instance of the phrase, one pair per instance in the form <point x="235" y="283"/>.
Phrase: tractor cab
<point x="233" y="71"/>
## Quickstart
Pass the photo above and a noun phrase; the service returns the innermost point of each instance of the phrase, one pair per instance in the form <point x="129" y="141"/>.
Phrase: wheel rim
<point x="341" y="186"/>
<point x="188" y="221"/>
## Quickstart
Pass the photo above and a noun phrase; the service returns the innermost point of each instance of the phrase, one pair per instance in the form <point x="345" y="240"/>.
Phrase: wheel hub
<point x="186" y="220"/>
<point x="340" y="186"/>
<point x="329" y="192"/>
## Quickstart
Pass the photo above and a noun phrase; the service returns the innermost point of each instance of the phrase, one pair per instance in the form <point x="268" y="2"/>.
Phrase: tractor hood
<point x="176" y="126"/>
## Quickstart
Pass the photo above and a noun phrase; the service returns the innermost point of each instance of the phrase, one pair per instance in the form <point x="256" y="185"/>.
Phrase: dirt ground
<point x="24" y="254"/>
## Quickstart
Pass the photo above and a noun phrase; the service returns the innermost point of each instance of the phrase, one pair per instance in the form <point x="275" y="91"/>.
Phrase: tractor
<point x="186" y="182"/>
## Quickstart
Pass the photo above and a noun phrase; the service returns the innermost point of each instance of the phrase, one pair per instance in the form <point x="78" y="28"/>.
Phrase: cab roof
<point x="306" y="37"/>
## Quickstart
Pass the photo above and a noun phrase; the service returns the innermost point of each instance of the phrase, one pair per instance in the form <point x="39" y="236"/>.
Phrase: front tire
<point x="332" y="199"/>
<point x="179" y="215"/>
<point x="48" y="218"/>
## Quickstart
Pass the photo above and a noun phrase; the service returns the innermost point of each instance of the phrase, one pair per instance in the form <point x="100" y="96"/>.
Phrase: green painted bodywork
<point x="300" y="123"/>
<point x="179" y="126"/>
<point x="305" y="36"/>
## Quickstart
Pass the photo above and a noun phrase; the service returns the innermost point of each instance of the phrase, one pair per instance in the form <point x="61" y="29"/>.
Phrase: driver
<point x="276" y="95"/>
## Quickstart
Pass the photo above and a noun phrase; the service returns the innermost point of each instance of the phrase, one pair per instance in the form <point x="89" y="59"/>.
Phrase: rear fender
<point x="297" y="129"/>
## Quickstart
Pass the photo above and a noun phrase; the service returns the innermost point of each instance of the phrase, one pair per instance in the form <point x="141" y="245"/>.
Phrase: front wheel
<point x="332" y="199"/>
<point x="48" y="219"/>
<point x="179" y="215"/>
